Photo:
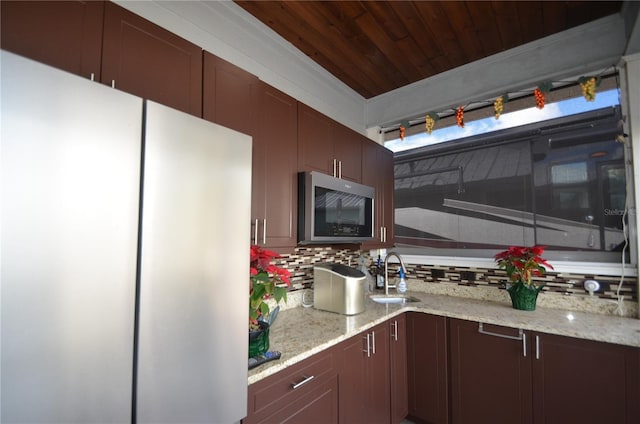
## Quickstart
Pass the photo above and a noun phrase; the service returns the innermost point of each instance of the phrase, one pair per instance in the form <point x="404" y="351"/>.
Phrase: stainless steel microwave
<point x="332" y="210"/>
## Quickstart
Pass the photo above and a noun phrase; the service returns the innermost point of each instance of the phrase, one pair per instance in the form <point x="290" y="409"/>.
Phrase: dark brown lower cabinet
<point x="398" y="368"/>
<point x="583" y="381"/>
<point x="427" y="364"/>
<point x="364" y="377"/>
<point x="505" y="375"/>
<point x="490" y="374"/>
<point x="305" y="393"/>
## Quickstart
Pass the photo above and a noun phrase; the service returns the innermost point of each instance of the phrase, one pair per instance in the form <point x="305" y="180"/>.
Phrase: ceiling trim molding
<point x="228" y="31"/>
<point x="582" y="49"/>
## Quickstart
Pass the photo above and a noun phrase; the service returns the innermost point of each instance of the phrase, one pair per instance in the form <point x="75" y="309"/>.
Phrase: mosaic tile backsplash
<point x="561" y="290"/>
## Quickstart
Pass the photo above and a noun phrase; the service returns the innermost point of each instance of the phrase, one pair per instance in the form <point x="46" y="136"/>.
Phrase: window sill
<point x="596" y="268"/>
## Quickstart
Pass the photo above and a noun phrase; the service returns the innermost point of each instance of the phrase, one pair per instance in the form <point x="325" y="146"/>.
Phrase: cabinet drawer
<point x="295" y="381"/>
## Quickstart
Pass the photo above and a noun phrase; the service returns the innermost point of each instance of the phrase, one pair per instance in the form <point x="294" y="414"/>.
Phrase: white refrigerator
<point x="124" y="256"/>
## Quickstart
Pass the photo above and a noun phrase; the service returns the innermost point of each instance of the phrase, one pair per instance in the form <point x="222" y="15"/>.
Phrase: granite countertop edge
<point x="302" y="332"/>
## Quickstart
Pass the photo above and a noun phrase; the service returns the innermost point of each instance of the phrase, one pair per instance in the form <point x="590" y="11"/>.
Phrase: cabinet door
<point x="227" y="95"/>
<point x="377" y="171"/>
<point x="315" y="142"/>
<point x="274" y="190"/>
<point x="364" y="377"/>
<point x="327" y="146"/>
<point x="63" y="34"/>
<point x="144" y="59"/>
<point x="490" y="374"/>
<point x="354" y="384"/>
<point x="379" y="406"/>
<point x="584" y="381"/>
<point x="387" y="188"/>
<point x="347" y="149"/>
<point x="398" y="361"/>
<point x="427" y="363"/>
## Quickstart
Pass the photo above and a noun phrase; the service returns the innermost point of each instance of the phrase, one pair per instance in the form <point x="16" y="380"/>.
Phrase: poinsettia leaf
<point x="253" y="314"/>
<point x="280" y="293"/>
<point x="261" y="276"/>
<point x="259" y="290"/>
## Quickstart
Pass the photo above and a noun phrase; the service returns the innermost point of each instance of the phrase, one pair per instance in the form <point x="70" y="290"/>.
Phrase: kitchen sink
<point x="393" y="299"/>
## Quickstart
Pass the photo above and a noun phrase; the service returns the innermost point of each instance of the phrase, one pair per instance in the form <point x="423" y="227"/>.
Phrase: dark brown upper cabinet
<point x="377" y="172"/>
<point x="274" y="177"/>
<point x="63" y="34"/>
<point x="327" y="146"/>
<point x="146" y="60"/>
<point x="227" y="95"/>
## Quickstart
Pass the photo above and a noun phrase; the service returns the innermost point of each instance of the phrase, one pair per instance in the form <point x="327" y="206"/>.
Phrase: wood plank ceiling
<point x="378" y="46"/>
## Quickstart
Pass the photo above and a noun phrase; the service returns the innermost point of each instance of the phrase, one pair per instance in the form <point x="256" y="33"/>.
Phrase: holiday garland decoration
<point x="540" y="92"/>
<point x="403" y="129"/>
<point x="498" y="105"/>
<point x="430" y="121"/>
<point x="588" y="86"/>
<point x="460" y="116"/>
<point x="539" y="98"/>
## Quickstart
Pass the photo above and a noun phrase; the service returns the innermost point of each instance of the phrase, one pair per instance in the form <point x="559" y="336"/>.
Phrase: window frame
<point x="567" y="260"/>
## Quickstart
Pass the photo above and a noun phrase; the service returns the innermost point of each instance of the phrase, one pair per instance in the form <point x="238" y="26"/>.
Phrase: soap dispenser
<point x="402" y="284"/>
<point x="379" y="274"/>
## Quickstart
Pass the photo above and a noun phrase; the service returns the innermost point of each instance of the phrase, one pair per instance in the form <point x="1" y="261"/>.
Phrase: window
<point x="560" y="183"/>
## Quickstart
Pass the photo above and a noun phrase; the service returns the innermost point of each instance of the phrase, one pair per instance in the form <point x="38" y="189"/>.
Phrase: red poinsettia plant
<point x="523" y="263"/>
<point x="266" y="281"/>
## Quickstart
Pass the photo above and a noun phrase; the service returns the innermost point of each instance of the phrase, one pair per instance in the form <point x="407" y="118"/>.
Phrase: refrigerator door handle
<point x="264" y="231"/>
<point x="255" y="231"/>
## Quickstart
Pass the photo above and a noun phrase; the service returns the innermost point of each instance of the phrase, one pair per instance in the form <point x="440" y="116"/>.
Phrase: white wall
<point x="229" y="32"/>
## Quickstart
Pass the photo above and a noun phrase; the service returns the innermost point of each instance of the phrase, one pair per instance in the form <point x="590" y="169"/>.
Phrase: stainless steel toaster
<point x="338" y="288"/>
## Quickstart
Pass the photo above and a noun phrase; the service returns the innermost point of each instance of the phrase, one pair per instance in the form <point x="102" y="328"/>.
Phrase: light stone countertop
<point x="301" y="332"/>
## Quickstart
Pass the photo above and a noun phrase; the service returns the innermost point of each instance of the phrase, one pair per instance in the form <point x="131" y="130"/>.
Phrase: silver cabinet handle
<point x="264" y="231"/>
<point x="255" y="232"/>
<point x="521" y="336"/>
<point x="537" y="347"/>
<point x="368" y="351"/>
<point x="93" y="76"/>
<point x="481" y="330"/>
<point x="113" y="83"/>
<point x="339" y="169"/>
<point x="384" y="239"/>
<point x="395" y="330"/>
<point x="335" y="165"/>
<point x="303" y="382"/>
<point x="373" y="341"/>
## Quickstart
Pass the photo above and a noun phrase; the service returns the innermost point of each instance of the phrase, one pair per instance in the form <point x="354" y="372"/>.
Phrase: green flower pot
<point x="523" y="297"/>
<point x="259" y="340"/>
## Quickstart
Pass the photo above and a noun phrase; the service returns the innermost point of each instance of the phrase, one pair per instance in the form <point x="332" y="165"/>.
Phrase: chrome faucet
<point x="387" y="286"/>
